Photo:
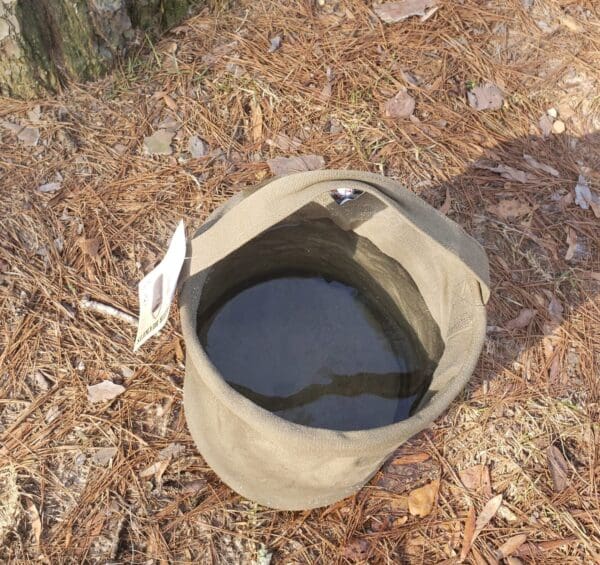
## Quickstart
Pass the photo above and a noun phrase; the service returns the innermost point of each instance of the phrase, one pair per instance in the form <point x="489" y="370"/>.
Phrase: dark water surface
<point x="316" y="352"/>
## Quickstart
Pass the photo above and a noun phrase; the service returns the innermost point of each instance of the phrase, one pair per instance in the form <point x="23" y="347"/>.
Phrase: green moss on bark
<point x="58" y="40"/>
<point x="75" y="35"/>
<point x="157" y="15"/>
<point x="55" y="41"/>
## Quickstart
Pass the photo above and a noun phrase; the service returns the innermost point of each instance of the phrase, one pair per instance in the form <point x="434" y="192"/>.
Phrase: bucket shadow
<point x="543" y="250"/>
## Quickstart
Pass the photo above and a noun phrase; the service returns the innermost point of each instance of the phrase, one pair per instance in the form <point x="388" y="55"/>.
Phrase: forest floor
<point x="503" y="138"/>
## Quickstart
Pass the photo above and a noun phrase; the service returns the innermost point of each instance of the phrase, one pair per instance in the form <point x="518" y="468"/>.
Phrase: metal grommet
<point x="343" y="195"/>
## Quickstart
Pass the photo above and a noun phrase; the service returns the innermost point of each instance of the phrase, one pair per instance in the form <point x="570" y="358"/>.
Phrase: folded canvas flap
<point x="434" y="250"/>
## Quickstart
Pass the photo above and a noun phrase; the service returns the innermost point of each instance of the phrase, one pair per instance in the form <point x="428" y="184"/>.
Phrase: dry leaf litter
<point x="110" y="474"/>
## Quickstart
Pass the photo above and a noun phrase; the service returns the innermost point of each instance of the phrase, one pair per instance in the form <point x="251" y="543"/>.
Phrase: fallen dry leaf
<point x="357" y="549"/>
<point x="410" y="458"/>
<point x="275" y="44"/>
<point x="570" y="23"/>
<point x="511" y="560"/>
<point x="550" y="545"/>
<point x="445" y="207"/>
<point x="421" y="500"/>
<point x="170" y="103"/>
<point x="565" y="110"/>
<point x="285" y="143"/>
<point x="170" y="63"/>
<point x="40" y="379"/>
<point x="170" y="124"/>
<point x="218" y="53"/>
<point x="509" y="209"/>
<point x="35" y="114"/>
<point x="103" y="455"/>
<point x="52" y="413"/>
<point x="546" y="27"/>
<point x="157" y="469"/>
<point x="471" y="477"/>
<point x="545" y="123"/>
<point x="172" y="451"/>
<point x="400" y="106"/>
<point x="540" y="166"/>
<point x="565" y="201"/>
<point x="400" y="521"/>
<point x="14" y="128"/>
<point x="485" y="97"/>
<point x="506" y="172"/>
<point x="522" y="320"/>
<point x="507" y="514"/>
<point x="49" y="187"/>
<point x="34" y="520"/>
<point x="584" y="198"/>
<point x="29" y="136"/>
<point x="256" y="121"/>
<point x="572" y="243"/>
<point x="468" y="535"/>
<point x="559" y="468"/>
<point x="393" y="12"/>
<point x="487" y="513"/>
<point x="159" y="143"/>
<point x="106" y="390"/>
<point x="120" y="148"/>
<point x="583" y="194"/>
<point x="477" y="477"/>
<point x="555" y="308"/>
<point x="286" y="165"/>
<point x="510" y="546"/>
<point x="193" y="486"/>
<point x="197" y="147"/>
<point x="554" y="370"/>
<point x="90" y="247"/>
<point x="126" y="372"/>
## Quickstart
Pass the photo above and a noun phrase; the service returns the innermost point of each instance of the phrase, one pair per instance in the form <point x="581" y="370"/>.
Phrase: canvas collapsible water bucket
<point x="357" y="323"/>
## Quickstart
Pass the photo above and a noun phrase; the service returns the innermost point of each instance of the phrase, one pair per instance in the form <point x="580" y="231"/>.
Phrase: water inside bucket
<point x="310" y="337"/>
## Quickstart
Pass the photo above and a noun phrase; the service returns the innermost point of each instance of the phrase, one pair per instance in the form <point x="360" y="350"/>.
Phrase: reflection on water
<point x="316" y="352"/>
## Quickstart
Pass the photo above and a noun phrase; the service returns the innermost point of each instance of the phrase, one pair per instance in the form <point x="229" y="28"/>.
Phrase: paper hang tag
<point x="157" y="288"/>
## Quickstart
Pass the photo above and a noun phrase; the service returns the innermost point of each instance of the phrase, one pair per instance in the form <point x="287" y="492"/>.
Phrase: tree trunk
<point x="46" y="43"/>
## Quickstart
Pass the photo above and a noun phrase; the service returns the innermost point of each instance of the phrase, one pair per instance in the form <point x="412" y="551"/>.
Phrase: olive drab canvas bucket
<point x="328" y="317"/>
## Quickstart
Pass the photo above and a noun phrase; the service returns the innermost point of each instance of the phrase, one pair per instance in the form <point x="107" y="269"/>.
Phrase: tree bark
<point x="46" y="43"/>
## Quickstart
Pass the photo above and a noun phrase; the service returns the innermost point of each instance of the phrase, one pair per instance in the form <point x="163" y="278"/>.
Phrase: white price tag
<point x="157" y="288"/>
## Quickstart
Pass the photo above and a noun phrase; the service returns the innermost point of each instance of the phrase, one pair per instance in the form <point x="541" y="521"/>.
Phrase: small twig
<point x="108" y="310"/>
